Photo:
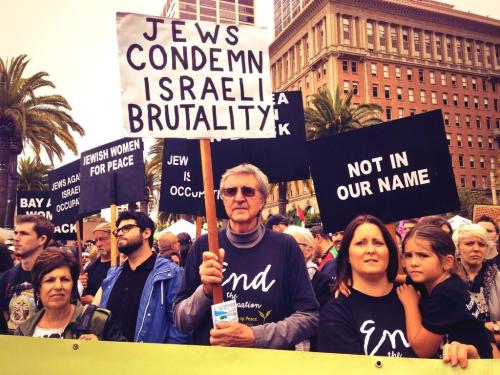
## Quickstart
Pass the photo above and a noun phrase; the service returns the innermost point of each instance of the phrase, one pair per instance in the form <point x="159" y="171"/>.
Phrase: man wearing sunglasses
<point x="264" y="271"/>
<point x="140" y="293"/>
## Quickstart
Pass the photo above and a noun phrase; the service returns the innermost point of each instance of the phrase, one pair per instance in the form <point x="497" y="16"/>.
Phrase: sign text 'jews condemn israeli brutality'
<point x="192" y="79"/>
<point x="397" y="170"/>
<point x="39" y="203"/>
<point x="112" y="174"/>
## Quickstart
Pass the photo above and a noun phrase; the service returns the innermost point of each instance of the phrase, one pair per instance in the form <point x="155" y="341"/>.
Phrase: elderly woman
<point x="55" y="274"/>
<point x="481" y="275"/>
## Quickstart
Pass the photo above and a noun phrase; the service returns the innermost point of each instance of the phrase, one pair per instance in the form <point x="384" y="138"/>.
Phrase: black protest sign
<point x="112" y="174"/>
<point x="38" y="203"/>
<point x="194" y="79"/>
<point x="396" y="170"/>
<point x="282" y="159"/>
<point x="64" y="185"/>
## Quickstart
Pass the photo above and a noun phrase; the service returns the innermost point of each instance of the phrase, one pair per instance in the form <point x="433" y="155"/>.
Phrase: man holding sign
<point x="262" y="271"/>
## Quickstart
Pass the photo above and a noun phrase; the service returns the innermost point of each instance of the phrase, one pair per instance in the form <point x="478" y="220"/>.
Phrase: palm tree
<point x="151" y="187"/>
<point x="156" y="154"/>
<point x="26" y="119"/>
<point x="330" y="116"/>
<point x="32" y="175"/>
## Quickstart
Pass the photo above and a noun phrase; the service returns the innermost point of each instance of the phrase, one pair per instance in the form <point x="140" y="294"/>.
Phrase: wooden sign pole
<point x="79" y="244"/>
<point x="199" y="221"/>
<point x="114" y="240"/>
<point x="208" y="186"/>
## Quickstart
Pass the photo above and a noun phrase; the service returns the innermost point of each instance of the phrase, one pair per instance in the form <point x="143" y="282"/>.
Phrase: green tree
<point x="333" y="115"/>
<point x="27" y="119"/>
<point x="32" y="175"/>
<point x="469" y="198"/>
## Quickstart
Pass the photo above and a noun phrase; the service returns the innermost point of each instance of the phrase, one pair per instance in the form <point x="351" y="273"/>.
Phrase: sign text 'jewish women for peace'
<point x="397" y="170"/>
<point x="193" y="79"/>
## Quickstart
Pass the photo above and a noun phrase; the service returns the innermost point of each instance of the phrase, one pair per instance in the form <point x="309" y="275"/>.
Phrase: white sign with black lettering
<point x="193" y="79"/>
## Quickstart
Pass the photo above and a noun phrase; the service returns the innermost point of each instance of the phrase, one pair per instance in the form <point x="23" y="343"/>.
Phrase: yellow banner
<point x="26" y="355"/>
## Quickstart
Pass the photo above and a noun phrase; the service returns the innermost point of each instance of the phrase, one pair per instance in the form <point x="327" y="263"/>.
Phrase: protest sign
<point x="492" y="211"/>
<point x="112" y="174"/>
<point x="64" y="185"/>
<point x="194" y="79"/>
<point x="282" y="159"/>
<point x="38" y="203"/>
<point x="397" y="170"/>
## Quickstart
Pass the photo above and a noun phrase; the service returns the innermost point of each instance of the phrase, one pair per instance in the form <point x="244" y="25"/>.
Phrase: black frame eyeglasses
<point x="246" y="191"/>
<point x="125" y="229"/>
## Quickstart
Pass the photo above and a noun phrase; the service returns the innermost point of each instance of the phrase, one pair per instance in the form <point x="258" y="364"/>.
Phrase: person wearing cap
<point x="96" y="271"/>
<point x="277" y="223"/>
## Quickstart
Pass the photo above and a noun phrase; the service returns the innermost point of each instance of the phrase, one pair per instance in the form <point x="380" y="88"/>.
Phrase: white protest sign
<point x="192" y="79"/>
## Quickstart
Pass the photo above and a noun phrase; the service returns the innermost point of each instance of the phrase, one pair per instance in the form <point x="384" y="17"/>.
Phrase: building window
<point x="345" y="65"/>
<point x="462" y="181"/>
<point x="484" y="182"/>
<point x="469" y="141"/>
<point x="459" y="140"/>
<point x="466" y="101"/>
<point x="388" y="113"/>
<point x="448" y="49"/>
<point x="439" y="47"/>
<point x="421" y="75"/>
<point x="478" y="122"/>
<point x="401" y="112"/>
<point x="387" y="92"/>
<point x="492" y="162"/>
<point x="386" y="71"/>
<point x="482" y="164"/>
<point x="472" y="162"/>
<point x="464" y="82"/>
<point x="355" y="87"/>
<point x="346" y="87"/>
<point x="461" y="161"/>
<point x="488" y="122"/>
<point x="374" y="69"/>
<point x="433" y="97"/>
<point x="354" y="67"/>
<point x="467" y="121"/>
<point x="455" y="100"/>
<point x="490" y="143"/>
<point x="486" y="103"/>
<point x="497" y="123"/>
<point x="307" y="81"/>
<point x="413" y="112"/>
<point x="476" y="102"/>
<point x="375" y="90"/>
<point x="447" y="119"/>
<point x="479" y="141"/>
<point x="448" y="138"/>
<point x="409" y="74"/>
<point x="398" y="72"/>
<point x="324" y="70"/>
<point x="432" y="78"/>
<point x="473" y="182"/>
<point x="423" y="97"/>
<point x="454" y="80"/>
<point x="399" y="93"/>
<point x="474" y="84"/>
<point x="495" y="104"/>
<point x="443" y="79"/>
<point x="346" y="30"/>
<point x="405" y="39"/>
<point x="469" y="52"/>
<point x="457" y="120"/>
<point x="369" y="33"/>
<point x="445" y="98"/>
<point x="427" y="38"/>
<point x="484" y="84"/>
<point x="416" y="40"/>
<point x="394" y="38"/>
<point x="459" y="50"/>
<point x="381" y="36"/>
<point x="411" y="95"/>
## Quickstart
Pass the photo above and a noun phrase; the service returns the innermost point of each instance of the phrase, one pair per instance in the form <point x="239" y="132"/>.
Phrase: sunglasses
<point x="246" y="191"/>
<point x="125" y="229"/>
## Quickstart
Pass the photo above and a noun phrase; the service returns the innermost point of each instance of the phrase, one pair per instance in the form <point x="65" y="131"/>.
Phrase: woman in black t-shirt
<point x="447" y="312"/>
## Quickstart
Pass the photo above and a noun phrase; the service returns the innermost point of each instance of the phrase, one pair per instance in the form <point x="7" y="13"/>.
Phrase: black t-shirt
<point x="126" y="295"/>
<point x="269" y="281"/>
<point x="17" y="296"/>
<point x="97" y="271"/>
<point x="449" y="310"/>
<point x="361" y="324"/>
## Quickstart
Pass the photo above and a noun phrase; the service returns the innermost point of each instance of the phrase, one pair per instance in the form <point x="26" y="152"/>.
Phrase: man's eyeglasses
<point x="246" y="191"/>
<point x="125" y="229"/>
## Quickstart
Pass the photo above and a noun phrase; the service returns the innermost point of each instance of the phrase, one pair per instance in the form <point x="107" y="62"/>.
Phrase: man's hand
<point x="408" y="295"/>
<point x="211" y="271"/>
<point x="459" y="353"/>
<point x="87" y="299"/>
<point x="84" y="279"/>
<point x="232" y="334"/>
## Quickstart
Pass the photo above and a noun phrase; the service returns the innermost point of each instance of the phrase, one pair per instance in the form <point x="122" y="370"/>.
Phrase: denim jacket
<point x="155" y="322"/>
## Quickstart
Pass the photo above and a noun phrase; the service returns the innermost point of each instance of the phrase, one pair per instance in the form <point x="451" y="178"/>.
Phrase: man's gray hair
<point x="262" y="181"/>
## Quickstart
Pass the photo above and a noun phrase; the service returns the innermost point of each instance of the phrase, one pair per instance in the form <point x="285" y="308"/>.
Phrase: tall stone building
<point x="408" y="56"/>
<point x="226" y="11"/>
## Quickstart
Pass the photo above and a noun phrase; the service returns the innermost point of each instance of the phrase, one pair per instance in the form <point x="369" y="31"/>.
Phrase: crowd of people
<point x="429" y="292"/>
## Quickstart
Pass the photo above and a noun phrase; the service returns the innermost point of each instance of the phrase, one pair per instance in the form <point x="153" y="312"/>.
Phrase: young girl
<point x="447" y="312"/>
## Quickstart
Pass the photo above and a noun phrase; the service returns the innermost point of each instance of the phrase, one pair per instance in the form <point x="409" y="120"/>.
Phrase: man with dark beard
<point x="140" y="293"/>
<point x="17" y="301"/>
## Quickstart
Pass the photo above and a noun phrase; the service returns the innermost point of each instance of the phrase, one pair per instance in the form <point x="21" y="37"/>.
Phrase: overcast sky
<point x="75" y="42"/>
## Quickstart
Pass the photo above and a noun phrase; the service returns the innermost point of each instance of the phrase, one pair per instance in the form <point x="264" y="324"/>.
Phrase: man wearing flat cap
<point x="277" y="223"/>
<point x="97" y="270"/>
